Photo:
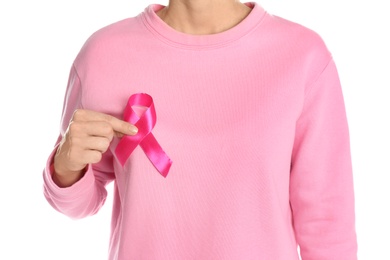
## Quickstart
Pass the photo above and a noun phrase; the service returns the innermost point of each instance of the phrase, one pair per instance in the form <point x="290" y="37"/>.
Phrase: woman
<point x="250" y="133"/>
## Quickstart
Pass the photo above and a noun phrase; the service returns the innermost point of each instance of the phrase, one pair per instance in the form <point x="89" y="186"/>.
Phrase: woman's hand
<point x="88" y="136"/>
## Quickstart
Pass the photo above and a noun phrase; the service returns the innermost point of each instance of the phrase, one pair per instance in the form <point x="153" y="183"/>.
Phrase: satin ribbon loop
<point x="144" y="138"/>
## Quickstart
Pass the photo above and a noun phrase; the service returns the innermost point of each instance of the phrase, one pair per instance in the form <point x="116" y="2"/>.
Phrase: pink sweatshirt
<point x="254" y="121"/>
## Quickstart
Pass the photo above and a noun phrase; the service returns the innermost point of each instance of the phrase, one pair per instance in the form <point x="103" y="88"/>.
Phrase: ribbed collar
<point x="190" y="41"/>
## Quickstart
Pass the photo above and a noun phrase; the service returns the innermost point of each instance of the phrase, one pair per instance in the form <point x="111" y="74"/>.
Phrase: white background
<point x="38" y="42"/>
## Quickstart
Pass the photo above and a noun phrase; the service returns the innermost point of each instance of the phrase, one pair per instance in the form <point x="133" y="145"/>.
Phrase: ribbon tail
<point x="156" y="155"/>
<point x="124" y="148"/>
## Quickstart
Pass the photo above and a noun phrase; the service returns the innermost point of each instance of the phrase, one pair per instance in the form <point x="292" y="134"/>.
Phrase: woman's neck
<point x="203" y="16"/>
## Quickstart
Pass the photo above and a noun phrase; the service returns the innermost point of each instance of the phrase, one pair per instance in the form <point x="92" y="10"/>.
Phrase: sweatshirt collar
<point x="190" y="41"/>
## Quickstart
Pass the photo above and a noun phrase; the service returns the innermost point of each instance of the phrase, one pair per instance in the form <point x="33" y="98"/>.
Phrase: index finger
<point x="119" y="126"/>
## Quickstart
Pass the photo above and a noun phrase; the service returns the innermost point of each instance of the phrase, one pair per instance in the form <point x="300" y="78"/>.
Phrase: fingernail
<point x="133" y="129"/>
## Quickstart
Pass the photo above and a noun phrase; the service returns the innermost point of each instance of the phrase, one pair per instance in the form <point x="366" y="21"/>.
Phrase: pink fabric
<point x="255" y="123"/>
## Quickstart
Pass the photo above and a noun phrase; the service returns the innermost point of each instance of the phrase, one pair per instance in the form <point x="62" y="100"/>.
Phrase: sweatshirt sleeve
<point x="86" y="196"/>
<point x="321" y="184"/>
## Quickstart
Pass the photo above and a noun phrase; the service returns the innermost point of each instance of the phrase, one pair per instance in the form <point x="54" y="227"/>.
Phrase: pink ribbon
<point x="144" y="137"/>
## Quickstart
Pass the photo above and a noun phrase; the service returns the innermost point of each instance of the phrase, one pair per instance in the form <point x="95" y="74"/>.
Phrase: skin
<point x="90" y="133"/>
<point x="88" y="136"/>
<point x="203" y="16"/>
